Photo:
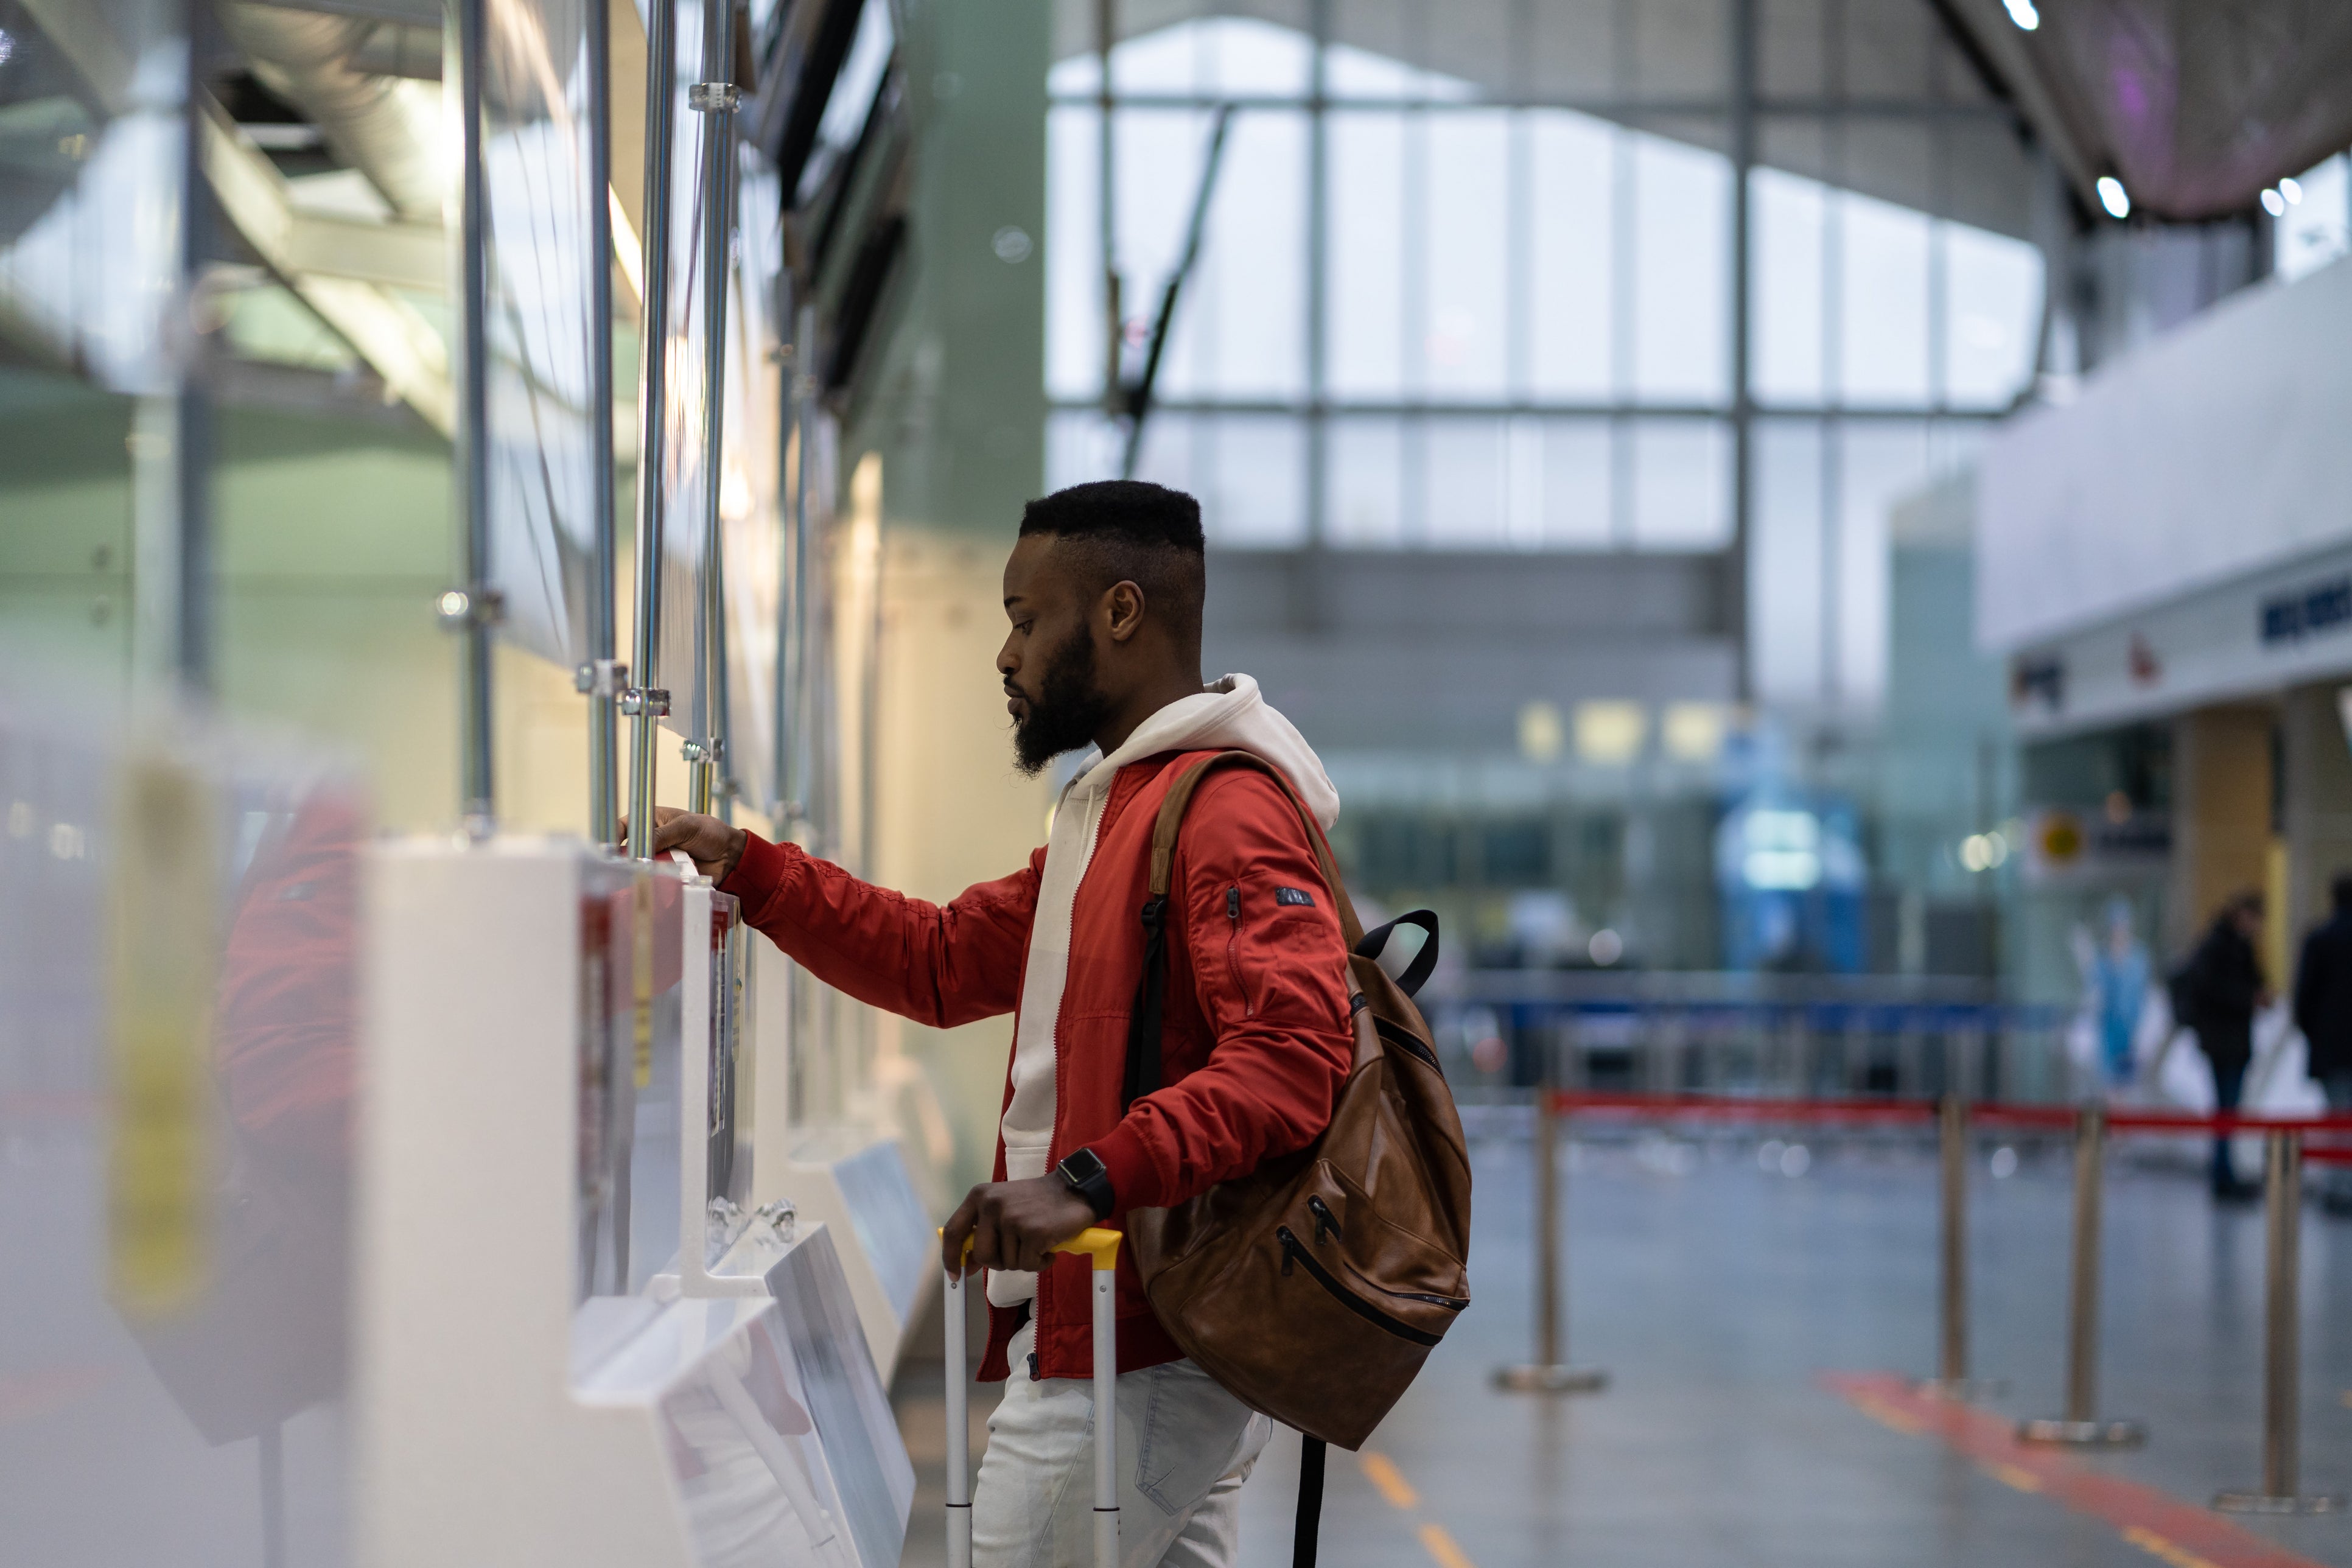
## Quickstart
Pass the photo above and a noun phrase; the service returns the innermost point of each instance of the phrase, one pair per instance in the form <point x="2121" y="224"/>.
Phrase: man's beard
<point x="1067" y="710"/>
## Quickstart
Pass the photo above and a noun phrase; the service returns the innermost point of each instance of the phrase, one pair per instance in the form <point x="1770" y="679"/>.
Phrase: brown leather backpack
<point x="1314" y="1288"/>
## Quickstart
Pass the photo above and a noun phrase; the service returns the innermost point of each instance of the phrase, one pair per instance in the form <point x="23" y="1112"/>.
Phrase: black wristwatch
<point x="1088" y="1178"/>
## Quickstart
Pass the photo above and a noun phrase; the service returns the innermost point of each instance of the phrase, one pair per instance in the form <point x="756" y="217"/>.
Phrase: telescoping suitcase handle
<point x="1102" y="1247"/>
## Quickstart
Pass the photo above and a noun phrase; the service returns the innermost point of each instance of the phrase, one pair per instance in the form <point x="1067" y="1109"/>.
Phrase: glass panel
<point x="1254" y="493"/>
<point x="1578" y="492"/>
<point x="1466" y="252"/>
<point x="1784" y="562"/>
<point x="1883" y="284"/>
<point x="1789" y="215"/>
<point x="1682" y="490"/>
<point x="1073" y="304"/>
<point x="1464" y="484"/>
<point x="1681" y="208"/>
<point x="1365" y="308"/>
<point x="90" y="145"/>
<point x="1885" y="462"/>
<point x="1364" y="481"/>
<point x="1992" y="314"/>
<point x="1572" y="276"/>
<point x="1240" y="328"/>
<point x="1248" y="470"/>
<point x="540" y="330"/>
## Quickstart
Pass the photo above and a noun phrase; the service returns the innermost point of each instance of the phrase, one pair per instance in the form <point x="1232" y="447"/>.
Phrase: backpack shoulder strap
<point x="1179" y="797"/>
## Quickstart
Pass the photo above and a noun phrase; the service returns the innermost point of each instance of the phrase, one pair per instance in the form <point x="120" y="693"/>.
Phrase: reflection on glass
<point x="90" y="140"/>
<point x="541" y="330"/>
<point x="202" y="1424"/>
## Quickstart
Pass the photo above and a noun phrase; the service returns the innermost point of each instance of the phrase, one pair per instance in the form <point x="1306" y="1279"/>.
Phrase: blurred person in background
<point x="2220" y="990"/>
<point x="2323" y="1011"/>
<point x="2115" y="974"/>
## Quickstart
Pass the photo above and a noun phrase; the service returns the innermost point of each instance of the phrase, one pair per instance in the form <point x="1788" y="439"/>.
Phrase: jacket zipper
<point x="1295" y="1250"/>
<point x="1233" y="949"/>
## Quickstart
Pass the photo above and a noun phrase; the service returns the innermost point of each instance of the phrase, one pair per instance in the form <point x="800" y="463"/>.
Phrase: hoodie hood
<point x="1230" y="715"/>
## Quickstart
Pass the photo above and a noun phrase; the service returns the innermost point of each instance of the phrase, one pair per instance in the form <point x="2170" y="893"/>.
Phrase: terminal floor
<point x="1722" y="1300"/>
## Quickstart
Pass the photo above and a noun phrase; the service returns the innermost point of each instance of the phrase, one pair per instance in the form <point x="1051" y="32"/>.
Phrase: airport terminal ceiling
<point x="1666" y="66"/>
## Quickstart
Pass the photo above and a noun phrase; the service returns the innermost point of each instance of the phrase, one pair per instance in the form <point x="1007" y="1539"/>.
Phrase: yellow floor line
<point x="2010" y="1476"/>
<point x="1441" y="1547"/>
<point x="1390" y="1480"/>
<point x="2156" y="1546"/>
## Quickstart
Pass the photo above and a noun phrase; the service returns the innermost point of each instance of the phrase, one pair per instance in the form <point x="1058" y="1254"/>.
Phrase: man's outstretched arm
<point x="940" y="964"/>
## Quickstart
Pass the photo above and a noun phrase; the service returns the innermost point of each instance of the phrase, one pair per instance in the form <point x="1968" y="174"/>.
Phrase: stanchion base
<point x="2083" y="1434"/>
<point x="1536" y="1379"/>
<point x="1962" y="1390"/>
<point x="2263" y="1502"/>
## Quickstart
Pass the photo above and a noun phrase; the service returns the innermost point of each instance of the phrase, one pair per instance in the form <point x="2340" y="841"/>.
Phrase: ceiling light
<point x="2273" y="203"/>
<point x="2293" y="190"/>
<point x="2114" y="197"/>
<point x="2022" y="13"/>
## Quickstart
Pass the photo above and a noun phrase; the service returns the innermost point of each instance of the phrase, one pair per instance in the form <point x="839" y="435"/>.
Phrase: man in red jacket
<point x="1104" y="591"/>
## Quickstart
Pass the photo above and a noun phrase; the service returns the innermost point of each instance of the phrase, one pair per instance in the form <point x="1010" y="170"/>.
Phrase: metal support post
<point x="2282" y="1343"/>
<point x="1549" y="1371"/>
<point x="473" y="609"/>
<point x="714" y="98"/>
<point x="643" y="704"/>
<point x="2080" y="1427"/>
<point x="601" y="678"/>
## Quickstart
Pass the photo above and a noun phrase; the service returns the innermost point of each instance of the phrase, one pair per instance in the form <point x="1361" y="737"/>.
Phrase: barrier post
<point x="2080" y="1423"/>
<point x="2282" y="1341"/>
<point x="1548" y="1373"/>
<point x="1951" y="1380"/>
<point x="2081" y="1426"/>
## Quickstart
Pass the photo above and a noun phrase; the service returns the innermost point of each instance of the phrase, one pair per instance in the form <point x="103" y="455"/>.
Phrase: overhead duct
<point x="387" y="128"/>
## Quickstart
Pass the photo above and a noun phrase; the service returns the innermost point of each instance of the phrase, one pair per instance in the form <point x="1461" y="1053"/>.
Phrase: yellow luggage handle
<point x="1095" y="1242"/>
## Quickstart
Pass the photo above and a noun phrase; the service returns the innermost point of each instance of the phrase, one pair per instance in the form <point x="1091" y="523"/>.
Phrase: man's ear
<point x="1124" y="604"/>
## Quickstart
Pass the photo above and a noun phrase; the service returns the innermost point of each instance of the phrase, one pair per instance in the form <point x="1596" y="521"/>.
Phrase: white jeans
<point x="1186" y="1445"/>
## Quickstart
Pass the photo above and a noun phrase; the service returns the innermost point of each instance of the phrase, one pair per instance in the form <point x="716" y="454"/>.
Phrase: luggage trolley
<point x="1102" y="1247"/>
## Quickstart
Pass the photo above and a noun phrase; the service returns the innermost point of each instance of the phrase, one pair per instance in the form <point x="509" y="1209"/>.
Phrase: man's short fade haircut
<point x="1132" y="531"/>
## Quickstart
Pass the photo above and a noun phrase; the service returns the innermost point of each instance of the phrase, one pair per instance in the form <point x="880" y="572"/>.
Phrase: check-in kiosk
<point x="574" y="1345"/>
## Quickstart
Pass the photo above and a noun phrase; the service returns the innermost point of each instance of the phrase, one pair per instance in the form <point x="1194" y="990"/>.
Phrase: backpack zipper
<point x="1326" y="1222"/>
<point x="1294" y="1251"/>
<point x="1233" y="949"/>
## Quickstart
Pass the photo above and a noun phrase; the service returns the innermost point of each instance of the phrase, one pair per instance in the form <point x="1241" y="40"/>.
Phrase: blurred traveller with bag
<point x="2217" y="993"/>
<point x="2323" y="1011"/>
<point x="1206" y="1055"/>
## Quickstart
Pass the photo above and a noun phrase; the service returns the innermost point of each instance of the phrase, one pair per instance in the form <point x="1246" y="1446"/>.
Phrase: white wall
<point x="2216" y="451"/>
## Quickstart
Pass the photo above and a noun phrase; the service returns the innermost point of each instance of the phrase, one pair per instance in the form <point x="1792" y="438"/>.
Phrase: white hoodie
<point x="1229" y="715"/>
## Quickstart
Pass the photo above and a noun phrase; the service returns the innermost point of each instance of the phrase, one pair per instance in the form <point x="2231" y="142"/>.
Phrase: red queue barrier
<point x="2285" y="1138"/>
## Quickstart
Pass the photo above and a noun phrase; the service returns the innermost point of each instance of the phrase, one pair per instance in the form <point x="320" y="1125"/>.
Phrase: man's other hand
<point x="713" y="845"/>
<point x="1014" y="1225"/>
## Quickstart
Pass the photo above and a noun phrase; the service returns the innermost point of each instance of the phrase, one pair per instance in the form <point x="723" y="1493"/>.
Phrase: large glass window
<point x="1510" y="324"/>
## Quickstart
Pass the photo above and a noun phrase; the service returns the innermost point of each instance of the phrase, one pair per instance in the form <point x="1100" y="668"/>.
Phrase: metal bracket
<point x="702" y="750"/>
<point x="713" y="97"/>
<point x="460" y="609"/>
<point x="601" y="678"/>
<point x="638" y="700"/>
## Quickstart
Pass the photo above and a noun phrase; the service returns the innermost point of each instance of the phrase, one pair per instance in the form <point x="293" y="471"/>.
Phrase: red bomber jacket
<point x="1254" y="1046"/>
